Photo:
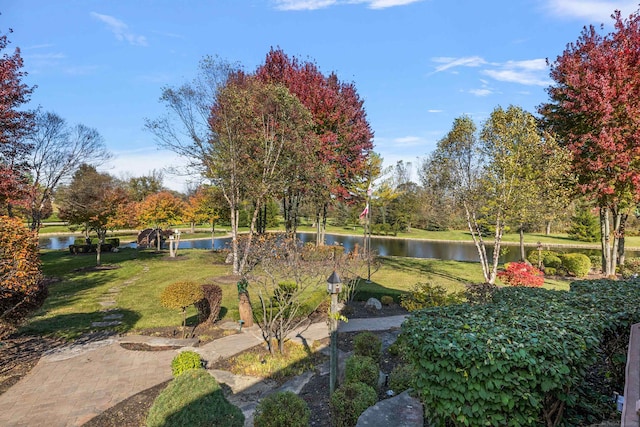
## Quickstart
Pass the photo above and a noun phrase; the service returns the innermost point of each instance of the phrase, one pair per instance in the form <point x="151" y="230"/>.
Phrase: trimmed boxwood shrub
<point x="552" y="261"/>
<point x="532" y="255"/>
<point x="282" y="409"/>
<point x="630" y="268"/>
<point x="386" y="300"/>
<point x="362" y="369"/>
<point x="185" y="361"/>
<point x="193" y="399"/>
<point x="349" y="401"/>
<point x="576" y="264"/>
<point x="527" y="353"/>
<point x="402" y="377"/>
<point x="368" y="344"/>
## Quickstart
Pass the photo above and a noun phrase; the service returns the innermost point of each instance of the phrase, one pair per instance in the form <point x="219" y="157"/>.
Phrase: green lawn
<point x="141" y="275"/>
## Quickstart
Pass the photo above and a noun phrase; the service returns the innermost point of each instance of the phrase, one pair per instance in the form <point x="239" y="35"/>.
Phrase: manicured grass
<point x="139" y="277"/>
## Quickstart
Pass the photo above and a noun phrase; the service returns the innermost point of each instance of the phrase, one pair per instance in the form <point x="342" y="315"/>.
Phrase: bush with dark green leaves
<point x="526" y="354"/>
<point x="185" y="361"/>
<point x="362" y="369"/>
<point x="552" y="261"/>
<point x="282" y="409"/>
<point x="576" y="264"/>
<point x="349" y="401"/>
<point x="534" y="255"/>
<point x="368" y="344"/>
<point x="193" y="399"/>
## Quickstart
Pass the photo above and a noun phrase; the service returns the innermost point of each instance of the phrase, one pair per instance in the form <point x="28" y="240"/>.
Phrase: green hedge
<point x="512" y="361"/>
<point x="576" y="264"/>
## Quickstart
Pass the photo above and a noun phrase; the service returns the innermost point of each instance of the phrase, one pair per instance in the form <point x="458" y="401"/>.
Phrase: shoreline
<point x="545" y="246"/>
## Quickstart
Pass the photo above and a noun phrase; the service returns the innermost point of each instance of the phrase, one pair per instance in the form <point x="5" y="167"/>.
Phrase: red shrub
<point x="521" y="274"/>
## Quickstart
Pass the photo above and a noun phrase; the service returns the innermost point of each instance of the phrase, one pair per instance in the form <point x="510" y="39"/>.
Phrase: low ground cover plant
<point x="529" y="357"/>
<point x="423" y="295"/>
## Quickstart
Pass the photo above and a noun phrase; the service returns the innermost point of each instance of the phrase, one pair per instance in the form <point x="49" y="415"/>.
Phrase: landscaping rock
<point x="400" y="411"/>
<point x="373" y="304"/>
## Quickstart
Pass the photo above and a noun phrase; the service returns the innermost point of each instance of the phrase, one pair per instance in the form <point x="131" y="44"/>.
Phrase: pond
<point x="385" y="246"/>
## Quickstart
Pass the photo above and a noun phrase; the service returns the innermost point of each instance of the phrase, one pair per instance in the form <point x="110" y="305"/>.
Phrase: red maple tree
<point x="342" y="133"/>
<point x="14" y="124"/>
<point x="595" y="109"/>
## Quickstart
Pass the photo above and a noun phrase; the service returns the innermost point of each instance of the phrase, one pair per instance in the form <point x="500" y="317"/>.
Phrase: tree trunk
<point x="234" y="240"/>
<point x="193" y="227"/>
<point x="604" y="241"/>
<point x="496" y="250"/>
<point x="213" y="235"/>
<point x="621" y="234"/>
<point x="523" y="256"/>
<point x="98" y="253"/>
<point x="477" y="240"/>
<point x="158" y="240"/>
<point x="547" y="230"/>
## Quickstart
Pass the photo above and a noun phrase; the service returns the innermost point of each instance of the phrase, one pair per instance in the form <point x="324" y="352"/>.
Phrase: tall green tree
<point x="595" y="109"/>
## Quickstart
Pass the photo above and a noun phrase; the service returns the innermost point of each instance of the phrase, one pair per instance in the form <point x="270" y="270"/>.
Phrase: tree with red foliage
<point x="595" y="109"/>
<point x="343" y="135"/>
<point x="14" y="124"/>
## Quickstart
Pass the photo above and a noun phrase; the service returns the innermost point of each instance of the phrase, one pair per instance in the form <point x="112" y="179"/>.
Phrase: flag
<point x="365" y="211"/>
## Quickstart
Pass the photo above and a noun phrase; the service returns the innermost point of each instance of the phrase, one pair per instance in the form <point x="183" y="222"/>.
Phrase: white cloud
<point x="121" y="30"/>
<point x="596" y="11"/>
<point x="434" y="111"/>
<point x="481" y="92"/>
<point x="321" y="4"/>
<point x="448" y="63"/>
<point x="408" y="141"/>
<point x="531" y="72"/>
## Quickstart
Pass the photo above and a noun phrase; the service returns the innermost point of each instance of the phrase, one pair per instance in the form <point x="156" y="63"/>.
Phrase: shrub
<point x="193" y="399"/>
<point x="362" y="369"/>
<point x="282" y="409"/>
<point x="552" y="261"/>
<point x="402" y="377"/>
<point x="311" y="252"/>
<point x="209" y="307"/>
<point x="521" y="274"/>
<point x="532" y="255"/>
<point x="22" y="289"/>
<point x="550" y="271"/>
<point x="285" y="291"/>
<point x="576" y="264"/>
<point x="185" y="361"/>
<point x="181" y="295"/>
<point x="479" y="293"/>
<point x="423" y="295"/>
<point x="631" y="268"/>
<point x="386" y="300"/>
<point x="368" y="344"/>
<point x="349" y="401"/>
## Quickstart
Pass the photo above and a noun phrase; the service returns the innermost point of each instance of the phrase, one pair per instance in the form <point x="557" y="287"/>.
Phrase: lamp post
<point x="333" y="287"/>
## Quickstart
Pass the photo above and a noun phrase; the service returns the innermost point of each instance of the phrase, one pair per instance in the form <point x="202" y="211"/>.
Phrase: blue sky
<point x="418" y="64"/>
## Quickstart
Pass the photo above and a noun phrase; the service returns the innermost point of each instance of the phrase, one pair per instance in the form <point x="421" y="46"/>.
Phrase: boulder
<point x="399" y="411"/>
<point x="373" y="304"/>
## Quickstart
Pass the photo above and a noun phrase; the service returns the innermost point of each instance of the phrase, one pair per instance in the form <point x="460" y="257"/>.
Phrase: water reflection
<point x="458" y="251"/>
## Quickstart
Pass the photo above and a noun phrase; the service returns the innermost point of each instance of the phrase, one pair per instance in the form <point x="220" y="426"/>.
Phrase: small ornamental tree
<point x="181" y="295"/>
<point x="521" y="274"/>
<point x="21" y="287"/>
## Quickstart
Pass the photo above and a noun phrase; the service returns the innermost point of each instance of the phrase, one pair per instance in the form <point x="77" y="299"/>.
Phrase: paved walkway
<point x="69" y="386"/>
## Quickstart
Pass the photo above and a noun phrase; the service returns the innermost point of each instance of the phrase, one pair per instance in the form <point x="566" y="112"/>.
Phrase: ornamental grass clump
<point x="282" y="409"/>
